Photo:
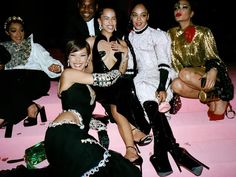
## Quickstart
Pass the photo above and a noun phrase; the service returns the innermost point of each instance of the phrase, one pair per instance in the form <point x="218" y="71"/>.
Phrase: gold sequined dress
<point x="194" y="52"/>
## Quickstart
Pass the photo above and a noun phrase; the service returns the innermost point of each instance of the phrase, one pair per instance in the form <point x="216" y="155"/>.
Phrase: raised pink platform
<point x="213" y="143"/>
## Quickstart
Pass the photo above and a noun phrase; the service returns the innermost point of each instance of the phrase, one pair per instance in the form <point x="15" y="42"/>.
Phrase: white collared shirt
<point x="91" y="29"/>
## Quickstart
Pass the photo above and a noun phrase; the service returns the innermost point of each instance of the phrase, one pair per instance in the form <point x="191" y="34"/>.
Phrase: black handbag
<point x="175" y="104"/>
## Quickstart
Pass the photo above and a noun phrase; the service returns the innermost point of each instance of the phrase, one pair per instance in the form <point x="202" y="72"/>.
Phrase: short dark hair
<point x="95" y="1"/>
<point x="192" y="3"/>
<point x="143" y="2"/>
<point x="76" y="45"/>
<point x="106" y="6"/>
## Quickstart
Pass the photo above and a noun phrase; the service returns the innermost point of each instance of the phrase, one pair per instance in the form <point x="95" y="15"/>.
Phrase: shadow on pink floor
<point x="213" y="143"/>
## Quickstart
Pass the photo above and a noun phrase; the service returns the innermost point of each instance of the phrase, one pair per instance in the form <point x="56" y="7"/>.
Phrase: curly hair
<point x="15" y="19"/>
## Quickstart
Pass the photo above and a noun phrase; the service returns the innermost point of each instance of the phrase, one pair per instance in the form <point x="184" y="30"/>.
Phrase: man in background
<point x="81" y="20"/>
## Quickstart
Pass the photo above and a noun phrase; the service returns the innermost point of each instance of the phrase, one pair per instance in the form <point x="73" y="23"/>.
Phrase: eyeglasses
<point x="179" y="6"/>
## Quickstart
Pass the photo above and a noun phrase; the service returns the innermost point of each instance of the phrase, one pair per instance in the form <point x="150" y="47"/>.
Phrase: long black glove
<point x="163" y="78"/>
<point x="105" y="79"/>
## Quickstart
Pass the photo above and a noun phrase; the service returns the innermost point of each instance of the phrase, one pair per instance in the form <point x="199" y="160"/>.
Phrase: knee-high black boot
<point x="181" y="156"/>
<point x="159" y="159"/>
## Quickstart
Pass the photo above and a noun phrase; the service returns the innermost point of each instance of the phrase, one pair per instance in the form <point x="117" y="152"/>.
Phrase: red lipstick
<point x="178" y="14"/>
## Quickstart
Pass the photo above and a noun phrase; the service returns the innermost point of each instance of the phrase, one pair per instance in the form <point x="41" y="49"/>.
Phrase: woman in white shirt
<point x="152" y="50"/>
<point x="26" y="77"/>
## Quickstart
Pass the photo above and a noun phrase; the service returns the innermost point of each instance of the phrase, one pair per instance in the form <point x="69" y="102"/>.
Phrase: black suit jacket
<point x="76" y="26"/>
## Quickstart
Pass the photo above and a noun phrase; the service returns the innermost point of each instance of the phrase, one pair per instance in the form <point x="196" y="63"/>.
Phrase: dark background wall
<point x="45" y="18"/>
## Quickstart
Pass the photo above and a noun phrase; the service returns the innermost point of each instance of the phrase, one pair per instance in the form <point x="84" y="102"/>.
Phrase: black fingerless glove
<point x="163" y="78"/>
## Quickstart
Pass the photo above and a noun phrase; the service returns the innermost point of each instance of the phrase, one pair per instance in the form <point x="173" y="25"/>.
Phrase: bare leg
<point x="220" y="106"/>
<point x="211" y="106"/>
<point x="139" y="136"/>
<point x="189" y="82"/>
<point x="126" y="134"/>
<point x="184" y="90"/>
<point x="32" y="110"/>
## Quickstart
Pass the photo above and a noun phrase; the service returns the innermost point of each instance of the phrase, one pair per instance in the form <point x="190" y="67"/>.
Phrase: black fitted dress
<point x="106" y="95"/>
<point x="118" y="94"/>
<point x="72" y="152"/>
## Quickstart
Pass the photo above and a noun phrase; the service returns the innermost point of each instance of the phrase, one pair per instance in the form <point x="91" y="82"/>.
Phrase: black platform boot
<point x="181" y="156"/>
<point x="159" y="159"/>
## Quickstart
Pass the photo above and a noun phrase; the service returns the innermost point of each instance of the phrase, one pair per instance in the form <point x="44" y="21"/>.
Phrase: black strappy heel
<point x="139" y="160"/>
<point x="144" y="140"/>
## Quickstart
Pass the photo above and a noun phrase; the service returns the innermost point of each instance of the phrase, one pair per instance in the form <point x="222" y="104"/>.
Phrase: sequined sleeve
<point x="210" y="45"/>
<point x="194" y="53"/>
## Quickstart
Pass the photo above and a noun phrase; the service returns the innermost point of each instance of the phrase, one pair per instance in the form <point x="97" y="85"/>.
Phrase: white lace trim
<point x="97" y="125"/>
<point x="80" y="124"/>
<point x="101" y="164"/>
<point x="54" y="124"/>
<point x="92" y="95"/>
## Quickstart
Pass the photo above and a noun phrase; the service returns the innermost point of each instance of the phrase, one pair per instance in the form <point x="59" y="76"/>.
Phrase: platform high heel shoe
<point x="139" y="160"/>
<point x="184" y="159"/>
<point x="216" y="94"/>
<point x="180" y="155"/>
<point x="31" y="121"/>
<point x="160" y="161"/>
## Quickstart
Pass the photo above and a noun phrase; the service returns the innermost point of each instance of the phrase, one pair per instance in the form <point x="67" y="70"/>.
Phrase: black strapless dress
<point x="72" y="152"/>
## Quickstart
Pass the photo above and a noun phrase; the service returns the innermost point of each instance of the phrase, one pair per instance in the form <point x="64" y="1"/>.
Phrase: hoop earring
<point x="68" y="63"/>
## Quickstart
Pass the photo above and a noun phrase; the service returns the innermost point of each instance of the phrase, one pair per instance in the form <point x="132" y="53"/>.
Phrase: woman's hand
<point x="211" y="76"/>
<point x="115" y="46"/>
<point x="161" y="96"/>
<point x="55" y="68"/>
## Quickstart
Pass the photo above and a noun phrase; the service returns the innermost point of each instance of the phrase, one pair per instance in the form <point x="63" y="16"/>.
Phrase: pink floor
<point x="213" y="143"/>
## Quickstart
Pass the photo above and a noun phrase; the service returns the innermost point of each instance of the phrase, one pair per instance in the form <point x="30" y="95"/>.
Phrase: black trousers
<point x="18" y="89"/>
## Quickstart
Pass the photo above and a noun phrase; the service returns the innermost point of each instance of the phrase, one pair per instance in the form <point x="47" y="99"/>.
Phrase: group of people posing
<point x="131" y="75"/>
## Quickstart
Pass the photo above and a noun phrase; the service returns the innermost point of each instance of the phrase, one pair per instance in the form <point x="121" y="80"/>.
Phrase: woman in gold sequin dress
<point x="195" y="56"/>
